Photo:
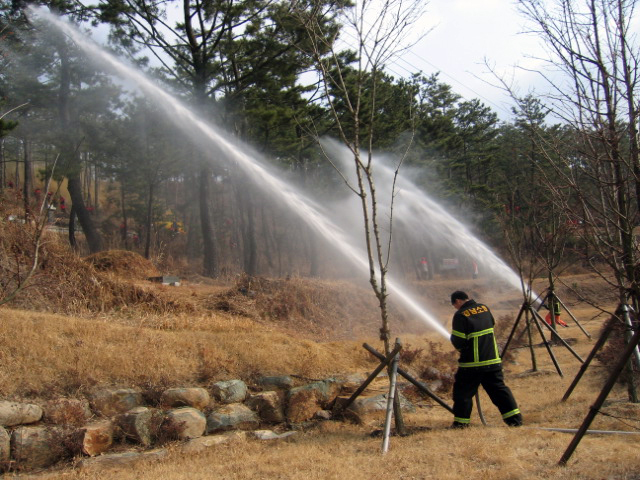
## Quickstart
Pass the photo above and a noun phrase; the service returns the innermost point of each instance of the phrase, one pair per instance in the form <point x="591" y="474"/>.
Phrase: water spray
<point x="429" y="218"/>
<point x="196" y="128"/>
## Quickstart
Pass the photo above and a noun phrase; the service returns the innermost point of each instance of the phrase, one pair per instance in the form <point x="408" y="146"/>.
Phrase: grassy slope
<point x="46" y="354"/>
<point x="335" y="450"/>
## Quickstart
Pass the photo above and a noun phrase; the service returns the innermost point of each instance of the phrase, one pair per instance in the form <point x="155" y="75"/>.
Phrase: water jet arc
<point x="198" y="129"/>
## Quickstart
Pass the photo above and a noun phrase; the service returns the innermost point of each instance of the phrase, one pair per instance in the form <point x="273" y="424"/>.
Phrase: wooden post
<point x="391" y="397"/>
<point x="573" y="318"/>
<point x="422" y="387"/>
<point x="635" y="357"/>
<point x="593" y="410"/>
<point x="583" y="368"/>
<point x="523" y="308"/>
<point x="532" y="351"/>
<point x="558" y="337"/>
<point x="534" y="317"/>
<point x="374" y="374"/>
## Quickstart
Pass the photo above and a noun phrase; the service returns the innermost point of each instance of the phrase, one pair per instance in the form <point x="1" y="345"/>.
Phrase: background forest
<point x="557" y="185"/>
<point x="95" y="171"/>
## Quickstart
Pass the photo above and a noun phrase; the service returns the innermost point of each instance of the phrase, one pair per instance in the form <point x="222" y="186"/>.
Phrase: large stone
<point x="120" y="460"/>
<point x="305" y="401"/>
<point x="95" y="439"/>
<point x="185" y="397"/>
<point x="5" y="448"/>
<point x="364" y="404"/>
<point x="186" y="423"/>
<point x="35" y="447"/>
<point x="271" y="435"/>
<point x="268" y="405"/>
<point x="12" y="414"/>
<point x="327" y="390"/>
<point x="113" y="401"/>
<point x="141" y="424"/>
<point x="231" y="391"/>
<point x="282" y="382"/>
<point x="234" y="416"/>
<point x="197" y="445"/>
<point x="67" y="411"/>
<point x="303" y="405"/>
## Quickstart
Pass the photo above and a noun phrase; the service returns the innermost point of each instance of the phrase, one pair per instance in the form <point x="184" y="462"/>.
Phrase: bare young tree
<point x="20" y="249"/>
<point x="380" y="31"/>
<point x="350" y="82"/>
<point x="592" y="171"/>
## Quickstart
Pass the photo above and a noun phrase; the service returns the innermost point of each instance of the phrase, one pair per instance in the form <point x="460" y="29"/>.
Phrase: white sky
<point x="464" y="33"/>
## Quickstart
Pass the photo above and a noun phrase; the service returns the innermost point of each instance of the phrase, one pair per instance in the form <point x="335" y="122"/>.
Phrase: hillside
<point x="94" y="322"/>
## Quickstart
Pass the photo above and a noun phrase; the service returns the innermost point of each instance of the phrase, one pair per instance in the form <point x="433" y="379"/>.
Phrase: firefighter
<point x="556" y="312"/>
<point x="479" y="363"/>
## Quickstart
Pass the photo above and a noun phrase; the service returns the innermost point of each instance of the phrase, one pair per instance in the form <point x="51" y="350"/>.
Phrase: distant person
<point x="424" y="268"/>
<point x="474" y="271"/>
<point x="556" y="312"/>
<point x="479" y="363"/>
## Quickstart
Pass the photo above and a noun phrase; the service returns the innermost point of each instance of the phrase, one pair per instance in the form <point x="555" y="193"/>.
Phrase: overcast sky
<point x="464" y="33"/>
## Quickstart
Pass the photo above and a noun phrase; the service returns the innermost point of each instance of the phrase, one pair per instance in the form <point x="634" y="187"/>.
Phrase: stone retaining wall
<point x="37" y="436"/>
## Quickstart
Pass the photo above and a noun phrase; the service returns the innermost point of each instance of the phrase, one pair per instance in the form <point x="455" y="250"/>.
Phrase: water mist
<point x="207" y="138"/>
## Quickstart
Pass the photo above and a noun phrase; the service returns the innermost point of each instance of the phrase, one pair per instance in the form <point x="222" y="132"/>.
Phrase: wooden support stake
<point x="583" y="368"/>
<point x="534" y="317"/>
<point x="385" y="361"/>
<point x="558" y="337"/>
<point x="573" y="318"/>
<point x="421" y="386"/>
<point x="593" y="410"/>
<point x="513" y="330"/>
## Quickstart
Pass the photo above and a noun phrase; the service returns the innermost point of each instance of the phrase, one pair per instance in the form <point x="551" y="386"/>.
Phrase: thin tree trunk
<point x="72" y="228"/>
<point x="17" y="175"/>
<point x="210" y="260"/>
<point x="94" y="241"/>
<point x="27" y="187"/>
<point x="267" y="246"/>
<point x="147" y="241"/>
<point x="74" y="185"/>
<point x="3" y="166"/>
<point x="314" y="265"/>
<point x="96" y="188"/>
<point x="247" y="228"/>
<point x="125" y="225"/>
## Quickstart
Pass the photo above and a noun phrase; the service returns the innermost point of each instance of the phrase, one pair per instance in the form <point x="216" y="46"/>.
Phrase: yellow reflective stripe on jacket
<point x="458" y="334"/>
<point x="472" y="334"/>
<point x="486" y="331"/>
<point x="480" y="364"/>
<point x="476" y="353"/>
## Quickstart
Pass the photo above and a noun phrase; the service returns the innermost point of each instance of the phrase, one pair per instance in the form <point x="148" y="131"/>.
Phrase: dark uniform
<point x="479" y="364"/>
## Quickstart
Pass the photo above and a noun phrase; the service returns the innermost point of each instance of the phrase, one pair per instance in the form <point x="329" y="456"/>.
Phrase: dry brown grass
<point x="123" y="263"/>
<point x="113" y="328"/>
<point x="332" y="450"/>
<point x="46" y="354"/>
